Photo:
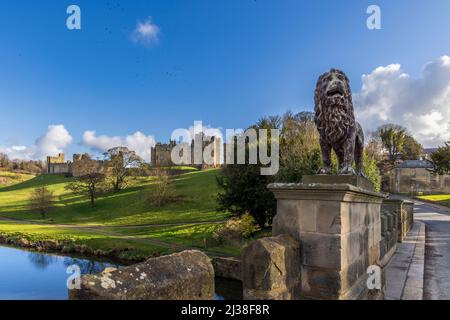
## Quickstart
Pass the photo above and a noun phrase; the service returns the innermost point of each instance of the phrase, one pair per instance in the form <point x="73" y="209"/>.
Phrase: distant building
<point x="58" y="164"/>
<point x="414" y="176"/>
<point x="427" y="152"/>
<point x="161" y="154"/>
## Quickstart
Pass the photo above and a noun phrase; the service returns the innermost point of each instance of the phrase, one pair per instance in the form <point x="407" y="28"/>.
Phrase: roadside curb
<point x="413" y="289"/>
<point x="405" y="272"/>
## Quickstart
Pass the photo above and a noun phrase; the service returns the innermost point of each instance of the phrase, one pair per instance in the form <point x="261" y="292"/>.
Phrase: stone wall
<point x="408" y="180"/>
<point x="59" y="168"/>
<point x="338" y="226"/>
<point x="161" y="154"/>
<point x="58" y="165"/>
<point x="407" y="217"/>
<point x="391" y="231"/>
<point x="187" y="275"/>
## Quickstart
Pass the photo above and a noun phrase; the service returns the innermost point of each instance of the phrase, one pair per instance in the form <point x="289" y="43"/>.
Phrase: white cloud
<point x="54" y="141"/>
<point x="145" y="33"/>
<point x="208" y="130"/>
<point x="138" y="142"/>
<point x="422" y="105"/>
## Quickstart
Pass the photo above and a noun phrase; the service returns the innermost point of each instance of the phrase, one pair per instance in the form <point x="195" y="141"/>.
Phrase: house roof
<point x="415" y="164"/>
<point x="429" y="150"/>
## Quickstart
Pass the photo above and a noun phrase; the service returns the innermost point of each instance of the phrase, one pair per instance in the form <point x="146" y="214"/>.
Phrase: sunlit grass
<point x="438" y="198"/>
<point x="196" y="192"/>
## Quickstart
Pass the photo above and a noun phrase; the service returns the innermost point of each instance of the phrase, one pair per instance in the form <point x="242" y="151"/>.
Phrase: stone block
<point x="229" y="268"/>
<point x="321" y="250"/>
<point x="271" y="268"/>
<point x="352" y="248"/>
<point x="331" y="218"/>
<point x="374" y="254"/>
<point x="187" y="275"/>
<point x="321" y="283"/>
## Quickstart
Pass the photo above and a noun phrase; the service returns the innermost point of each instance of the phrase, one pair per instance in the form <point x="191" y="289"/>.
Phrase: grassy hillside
<point x="9" y="178"/>
<point x="196" y="191"/>
<point x="122" y="220"/>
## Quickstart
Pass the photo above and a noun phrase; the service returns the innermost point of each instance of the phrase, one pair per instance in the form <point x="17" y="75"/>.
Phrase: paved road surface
<point x="437" y="251"/>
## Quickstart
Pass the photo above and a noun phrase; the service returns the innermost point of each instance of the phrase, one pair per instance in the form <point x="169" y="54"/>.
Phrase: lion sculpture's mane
<point x="334" y="115"/>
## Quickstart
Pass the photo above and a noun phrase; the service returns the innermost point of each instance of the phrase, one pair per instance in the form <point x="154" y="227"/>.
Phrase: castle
<point x="161" y="153"/>
<point x="160" y="157"/>
<point x="58" y="164"/>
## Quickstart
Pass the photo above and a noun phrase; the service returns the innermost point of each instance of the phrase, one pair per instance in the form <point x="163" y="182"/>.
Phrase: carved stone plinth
<point x="338" y="226"/>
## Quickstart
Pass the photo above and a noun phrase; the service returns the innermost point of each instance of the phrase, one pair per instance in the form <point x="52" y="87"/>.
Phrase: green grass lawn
<point x="114" y="212"/>
<point x="196" y="192"/>
<point x="443" y="199"/>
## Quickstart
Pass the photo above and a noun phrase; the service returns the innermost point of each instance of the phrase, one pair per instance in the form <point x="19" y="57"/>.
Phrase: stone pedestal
<point x="338" y="226"/>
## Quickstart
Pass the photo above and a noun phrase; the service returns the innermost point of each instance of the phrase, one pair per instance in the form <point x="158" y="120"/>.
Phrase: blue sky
<point x="226" y="63"/>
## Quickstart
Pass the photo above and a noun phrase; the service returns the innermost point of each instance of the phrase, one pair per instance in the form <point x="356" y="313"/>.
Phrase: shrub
<point x="235" y="230"/>
<point x="162" y="191"/>
<point x="41" y="200"/>
<point x="247" y="226"/>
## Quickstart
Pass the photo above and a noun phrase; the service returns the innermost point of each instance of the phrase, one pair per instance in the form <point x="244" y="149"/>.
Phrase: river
<point x="29" y="275"/>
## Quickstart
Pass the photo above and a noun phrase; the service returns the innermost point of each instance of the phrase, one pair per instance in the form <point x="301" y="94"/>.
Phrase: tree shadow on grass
<point x="39" y="181"/>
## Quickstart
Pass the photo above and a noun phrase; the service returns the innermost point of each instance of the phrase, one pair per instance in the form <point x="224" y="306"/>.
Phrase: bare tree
<point x="121" y="164"/>
<point x="90" y="178"/>
<point x="41" y="200"/>
<point x="162" y="191"/>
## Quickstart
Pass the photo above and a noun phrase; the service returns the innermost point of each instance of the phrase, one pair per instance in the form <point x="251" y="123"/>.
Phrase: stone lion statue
<point x="335" y="121"/>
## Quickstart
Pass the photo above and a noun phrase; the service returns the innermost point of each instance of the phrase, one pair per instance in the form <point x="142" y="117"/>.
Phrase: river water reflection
<point x="26" y="275"/>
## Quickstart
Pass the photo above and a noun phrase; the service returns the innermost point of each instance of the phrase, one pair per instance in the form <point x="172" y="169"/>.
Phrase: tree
<point x="392" y="137"/>
<point x="441" y="159"/>
<point x="41" y="200"/>
<point x="300" y="149"/>
<point x="245" y="189"/>
<point x="120" y="162"/>
<point x="412" y="150"/>
<point x="374" y="148"/>
<point x="4" y="161"/>
<point x="90" y="180"/>
<point x="371" y="170"/>
<point x="162" y="191"/>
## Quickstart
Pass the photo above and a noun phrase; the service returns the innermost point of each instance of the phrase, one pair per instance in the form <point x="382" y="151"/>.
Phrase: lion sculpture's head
<point x="333" y="106"/>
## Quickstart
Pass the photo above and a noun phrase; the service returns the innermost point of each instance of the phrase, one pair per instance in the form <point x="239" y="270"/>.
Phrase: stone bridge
<point x="332" y="238"/>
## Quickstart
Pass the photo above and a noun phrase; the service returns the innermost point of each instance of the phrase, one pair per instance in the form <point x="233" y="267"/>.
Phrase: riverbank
<point x="123" y="256"/>
<point x="120" y="243"/>
<point x="26" y="274"/>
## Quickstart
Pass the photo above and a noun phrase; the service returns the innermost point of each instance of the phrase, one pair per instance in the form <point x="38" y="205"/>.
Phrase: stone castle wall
<point x="161" y="154"/>
<point x="58" y="165"/>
